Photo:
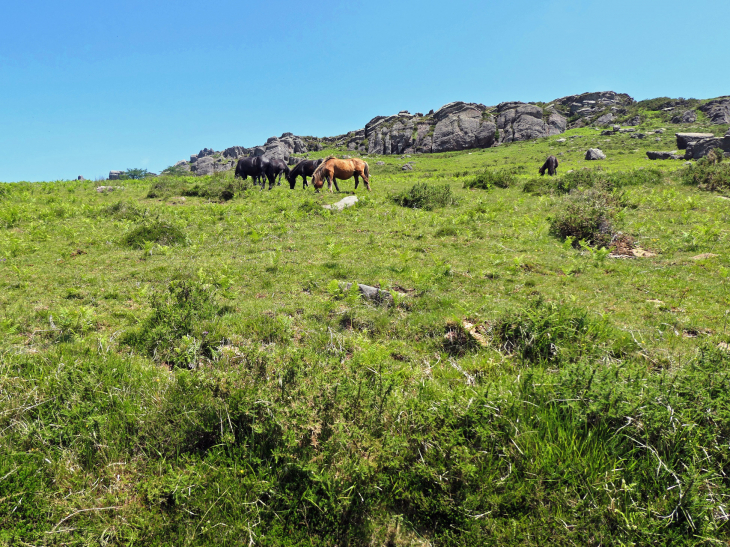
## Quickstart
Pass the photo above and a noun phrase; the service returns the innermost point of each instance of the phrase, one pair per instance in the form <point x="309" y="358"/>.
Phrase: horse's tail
<point x="366" y="170"/>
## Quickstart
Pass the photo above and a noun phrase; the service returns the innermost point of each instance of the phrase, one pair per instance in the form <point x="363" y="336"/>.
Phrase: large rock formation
<point x="689" y="116"/>
<point x="683" y="139"/>
<point x="700" y="148"/>
<point x="718" y="110"/>
<point x="599" y="108"/>
<point x="521" y="122"/>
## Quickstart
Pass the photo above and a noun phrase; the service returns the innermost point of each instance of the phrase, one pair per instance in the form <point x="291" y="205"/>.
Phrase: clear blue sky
<point x="90" y="86"/>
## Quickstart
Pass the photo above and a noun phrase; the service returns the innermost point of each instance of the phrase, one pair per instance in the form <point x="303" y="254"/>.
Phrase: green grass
<point x="219" y="387"/>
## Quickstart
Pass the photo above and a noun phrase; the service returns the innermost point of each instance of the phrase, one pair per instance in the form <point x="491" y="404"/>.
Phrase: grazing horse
<point x="550" y="165"/>
<point x="332" y="169"/>
<point x="275" y="168"/>
<point x="261" y="163"/>
<point x="248" y="167"/>
<point x="304" y="169"/>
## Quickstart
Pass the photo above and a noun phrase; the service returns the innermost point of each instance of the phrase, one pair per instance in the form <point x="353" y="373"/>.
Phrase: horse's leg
<point x="304" y="184"/>
<point x="335" y="181"/>
<point x="366" y="180"/>
<point x="357" y="180"/>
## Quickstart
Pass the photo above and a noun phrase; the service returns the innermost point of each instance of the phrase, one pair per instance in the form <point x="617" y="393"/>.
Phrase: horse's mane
<point x="321" y="165"/>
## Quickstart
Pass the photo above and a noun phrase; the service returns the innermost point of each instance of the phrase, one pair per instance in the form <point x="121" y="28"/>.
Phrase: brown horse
<point x="332" y="169"/>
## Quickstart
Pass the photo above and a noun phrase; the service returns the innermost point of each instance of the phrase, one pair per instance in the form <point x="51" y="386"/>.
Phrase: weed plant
<point x="708" y="175"/>
<point x="488" y="179"/>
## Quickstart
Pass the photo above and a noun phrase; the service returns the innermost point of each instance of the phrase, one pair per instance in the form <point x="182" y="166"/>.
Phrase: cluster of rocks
<point x="598" y="108"/>
<point x="461" y="126"/>
<point x="695" y="146"/>
<point x="455" y="126"/>
<point x="698" y="145"/>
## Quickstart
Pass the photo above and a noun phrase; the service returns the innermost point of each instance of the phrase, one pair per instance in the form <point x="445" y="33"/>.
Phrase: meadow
<point x="181" y="362"/>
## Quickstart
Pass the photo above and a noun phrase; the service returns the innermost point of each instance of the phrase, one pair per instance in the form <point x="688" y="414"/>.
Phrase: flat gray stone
<point x="349" y="201"/>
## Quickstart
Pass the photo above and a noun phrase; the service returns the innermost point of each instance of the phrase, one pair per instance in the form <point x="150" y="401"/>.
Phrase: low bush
<point x="589" y="215"/>
<point x="157" y="231"/>
<point x="708" y="175"/>
<point x="425" y="196"/>
<point x="175" y="332"/>
<point x="486" y="180"/>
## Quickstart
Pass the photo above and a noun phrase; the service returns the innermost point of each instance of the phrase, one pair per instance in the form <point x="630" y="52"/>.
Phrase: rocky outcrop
<point x="592" y="108"/>
<point x="460" y="126"/>
<point x="520" y="122"/>
<point x="683" y="139"/>
<point x="700" y="148"/>
<point x="235" y="152"/>
<point x="690" y="116"/>
<point x="115" y="175"/>
<point x="209" y="164"/>
<point x="718" y="110"/>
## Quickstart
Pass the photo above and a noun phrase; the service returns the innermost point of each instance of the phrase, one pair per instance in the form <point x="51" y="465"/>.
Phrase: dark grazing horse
<point x="261" y="163"/>
<point x="249" y="167"/>
<point x="550" y="165"/>
<point x="302" y="169"/>
<point x="275" y="168"/>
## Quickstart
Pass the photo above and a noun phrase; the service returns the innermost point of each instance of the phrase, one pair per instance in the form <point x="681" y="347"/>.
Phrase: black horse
<point x="272" y="169"/>
<point x="249" y="167"/>
<point x="550" y="165"/>
<point x="302" y="169"/>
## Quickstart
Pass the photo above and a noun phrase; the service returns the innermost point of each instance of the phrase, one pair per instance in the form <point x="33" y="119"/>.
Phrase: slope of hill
<point x="181" y="368"/>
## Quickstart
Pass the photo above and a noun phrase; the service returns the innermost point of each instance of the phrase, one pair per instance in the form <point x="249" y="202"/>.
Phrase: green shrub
<point x="707" y="175"/>
<point x="591" y="178"/>
<point x="489" y="179"/>
<point x="157" y="231"/>
<point x="124" y="210"/>
<point x="558" y="333"/>
<point x="588" y="215"/>
<point x="424" y="196"/>
<point x="175" y="332"/>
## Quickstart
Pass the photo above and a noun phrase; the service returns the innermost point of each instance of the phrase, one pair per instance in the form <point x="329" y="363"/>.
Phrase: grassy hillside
<point x="176" y="369"/>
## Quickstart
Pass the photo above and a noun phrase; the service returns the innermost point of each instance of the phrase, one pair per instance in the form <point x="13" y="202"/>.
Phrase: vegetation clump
<point x="175" y="332"/>
<point x="589" y="215"/>
<point x="155" y="231"/>
<point x="426" y="196"/>
<point x="486" y="180"/>
<point x="557" y="333"/>
<point x="709" y="173"/>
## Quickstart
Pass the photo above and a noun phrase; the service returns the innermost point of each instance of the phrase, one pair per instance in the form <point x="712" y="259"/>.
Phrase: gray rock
<point x="685" y="138"/>
<point x="560" y="140"/>
<point x="520" y="122"/>
<point x="652" y="155"/>
<point x="80" y="178"/>
<point x="616" y="128"/>
<point x="407" y="167"/>
<point x="638" y="136"/>
<point x="204" y="166"/>
<point x="627" y="130"/>
<point x="690" y="116"/>
<point x="369" y="293"/>
<point x="206" y="152"/>
<point x="605" y="119"/>
<point x="115" y="175"/>
<point x="235" y="152"/>
<point x="718" y="110"/>
<point x="607" y="132"/>
<point x="461" y="126"/>
<point x="182" y="165"/>
<point x="595" y="154"/>
<point x="379" y="163"/>
<point x="193" y="158"/>
<point x="349" y="201"/>
<point x="103" y="189"/>
<point x="636" y="120"/>
<point x="700" y="148"/>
